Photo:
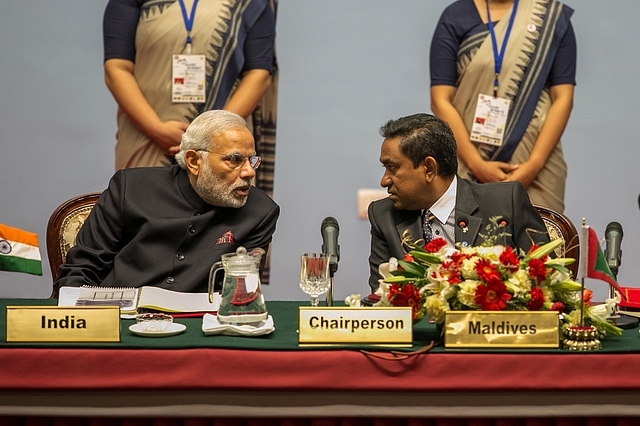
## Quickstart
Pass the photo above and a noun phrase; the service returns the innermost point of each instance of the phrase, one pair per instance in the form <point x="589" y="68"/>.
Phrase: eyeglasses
<point x="237" y="160"/>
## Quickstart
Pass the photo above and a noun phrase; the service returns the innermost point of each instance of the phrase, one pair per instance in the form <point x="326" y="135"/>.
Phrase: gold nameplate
<point x="63" y="324"/>
<point x="375" y="326"/>
<point x="503" y="329"/>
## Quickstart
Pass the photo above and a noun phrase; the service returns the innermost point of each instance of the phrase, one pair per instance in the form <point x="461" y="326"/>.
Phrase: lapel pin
<point x="462" y="224"/>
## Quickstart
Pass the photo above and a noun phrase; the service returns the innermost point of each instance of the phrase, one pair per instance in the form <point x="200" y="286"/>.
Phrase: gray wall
<point x="347" y="66"/>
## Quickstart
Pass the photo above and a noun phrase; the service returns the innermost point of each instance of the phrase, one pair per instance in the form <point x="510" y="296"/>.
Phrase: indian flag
<point x="19" y="251"/>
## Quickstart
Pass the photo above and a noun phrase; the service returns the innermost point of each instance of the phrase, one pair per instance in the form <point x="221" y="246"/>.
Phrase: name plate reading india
<point x="63" y="324"/>
<point x="376" y="326"/>
<point x="503" y="329"/>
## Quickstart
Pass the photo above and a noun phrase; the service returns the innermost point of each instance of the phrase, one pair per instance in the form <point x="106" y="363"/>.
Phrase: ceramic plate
<point x="172" y="330"/>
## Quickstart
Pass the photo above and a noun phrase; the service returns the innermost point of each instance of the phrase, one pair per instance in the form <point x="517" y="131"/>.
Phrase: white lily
<point x="546" y="248"/>
<point x="353" y="300"/>
<point x="562" y="261"/>
<point x="385" y="269"/>
<point x="383" y="292"/>
<point x="604" y="311"/>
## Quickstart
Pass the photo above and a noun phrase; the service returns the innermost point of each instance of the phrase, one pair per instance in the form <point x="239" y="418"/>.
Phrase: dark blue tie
<point x="427" y="231"/>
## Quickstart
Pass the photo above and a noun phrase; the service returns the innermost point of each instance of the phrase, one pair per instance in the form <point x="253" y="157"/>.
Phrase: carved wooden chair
<point x="560" y="226"/>
<point x="63" y="226"/>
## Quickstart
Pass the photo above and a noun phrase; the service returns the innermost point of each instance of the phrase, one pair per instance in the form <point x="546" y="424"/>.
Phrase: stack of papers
<point x="131" y="300"/>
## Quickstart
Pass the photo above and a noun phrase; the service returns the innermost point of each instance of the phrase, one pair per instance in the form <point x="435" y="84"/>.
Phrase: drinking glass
<point x="314" y="275"/>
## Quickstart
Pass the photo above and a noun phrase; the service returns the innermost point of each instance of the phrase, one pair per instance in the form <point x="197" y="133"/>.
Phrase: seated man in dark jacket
<point x="166" y="226"/>
<point x="427" y="199"/>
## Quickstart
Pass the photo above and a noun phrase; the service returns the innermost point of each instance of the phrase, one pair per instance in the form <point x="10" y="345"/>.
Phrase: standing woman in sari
<point x="502" y="77"/>
<point x="226" y="44"/>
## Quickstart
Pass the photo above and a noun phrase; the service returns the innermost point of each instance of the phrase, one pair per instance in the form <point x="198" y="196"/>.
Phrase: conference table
<point x="194" y="379"/>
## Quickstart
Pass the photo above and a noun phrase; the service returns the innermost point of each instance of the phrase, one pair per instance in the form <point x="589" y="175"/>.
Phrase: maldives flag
<point x="19" y="251"/>
<point x="592" y="262"/>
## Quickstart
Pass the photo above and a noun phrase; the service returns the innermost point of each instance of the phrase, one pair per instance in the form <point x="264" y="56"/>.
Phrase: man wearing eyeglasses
<point x="166" y="226"/>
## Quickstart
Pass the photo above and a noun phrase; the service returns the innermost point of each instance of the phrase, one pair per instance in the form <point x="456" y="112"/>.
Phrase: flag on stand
<point x="19" y="251"/>
<point x="592" y="261"/>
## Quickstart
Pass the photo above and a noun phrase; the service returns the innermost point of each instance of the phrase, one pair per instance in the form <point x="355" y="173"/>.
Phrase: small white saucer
<point x="173" y="329"/>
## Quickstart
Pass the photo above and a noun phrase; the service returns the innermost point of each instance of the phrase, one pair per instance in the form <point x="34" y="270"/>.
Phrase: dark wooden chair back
<point x="63" y="226"/>
<point x="560" y="226"/>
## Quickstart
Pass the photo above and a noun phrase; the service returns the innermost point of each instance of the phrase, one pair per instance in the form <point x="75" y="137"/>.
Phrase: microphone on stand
<point x="613" y="255"/>
<point x="330" y="231"/>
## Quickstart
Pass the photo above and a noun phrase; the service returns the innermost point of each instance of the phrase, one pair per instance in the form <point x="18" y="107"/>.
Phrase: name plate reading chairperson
<point x="377" y="326"/>
<point x="63" y="324"/>
<point x="503" y="329"/>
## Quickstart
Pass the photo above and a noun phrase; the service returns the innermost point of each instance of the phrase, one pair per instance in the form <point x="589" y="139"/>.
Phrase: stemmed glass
<point x="314" y="275"/>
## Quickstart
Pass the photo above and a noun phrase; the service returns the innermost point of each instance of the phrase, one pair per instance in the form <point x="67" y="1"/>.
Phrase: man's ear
<point x="193" y="161"/>
<point x="430" y="168"/>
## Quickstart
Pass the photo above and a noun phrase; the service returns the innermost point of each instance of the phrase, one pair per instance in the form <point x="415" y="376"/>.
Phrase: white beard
<point x="216" y="192"/>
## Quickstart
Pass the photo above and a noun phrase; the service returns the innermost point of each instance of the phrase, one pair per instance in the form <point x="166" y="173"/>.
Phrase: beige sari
<point x="161" y="33"/>
<point x="523" y="80"/>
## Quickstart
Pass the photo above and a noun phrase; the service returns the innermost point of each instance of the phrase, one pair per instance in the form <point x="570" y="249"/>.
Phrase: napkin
<point x="211" y="326"/>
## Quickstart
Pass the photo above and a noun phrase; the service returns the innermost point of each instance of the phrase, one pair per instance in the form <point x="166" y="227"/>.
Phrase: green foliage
<point x="495" y="232"/>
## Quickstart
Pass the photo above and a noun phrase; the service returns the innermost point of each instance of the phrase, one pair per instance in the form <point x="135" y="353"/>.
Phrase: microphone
<point x="613" y="253"/>
<point x="330" y="230"/>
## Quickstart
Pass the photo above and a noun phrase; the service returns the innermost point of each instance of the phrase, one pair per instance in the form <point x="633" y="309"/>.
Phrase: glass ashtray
<point x="154" y="322"/>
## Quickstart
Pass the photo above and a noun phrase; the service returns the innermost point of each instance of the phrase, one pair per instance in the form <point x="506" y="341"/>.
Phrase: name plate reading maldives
<point x="376" y="326"/>
<point x="63" y="324"/>
<point x="503" y="329"/>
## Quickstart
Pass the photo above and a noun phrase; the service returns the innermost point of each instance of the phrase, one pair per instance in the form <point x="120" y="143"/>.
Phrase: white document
<point x="156" y="298"/>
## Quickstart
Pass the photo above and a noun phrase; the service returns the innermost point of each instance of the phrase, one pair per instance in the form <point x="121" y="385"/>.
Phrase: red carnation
<point x="557" y="306"/>
<point x="486" y="270"/>
<point x="537" y="269"/>
<point x="450" y="271"/>
<point x="509" y="259"/>
<point x="493" y="296"/>
<point x="405" y="295"/>
<point x="537" y="299"/>
<point x="435" y="245"/>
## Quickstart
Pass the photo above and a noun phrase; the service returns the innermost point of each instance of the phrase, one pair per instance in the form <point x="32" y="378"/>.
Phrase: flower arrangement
<point x="438" y="278"/>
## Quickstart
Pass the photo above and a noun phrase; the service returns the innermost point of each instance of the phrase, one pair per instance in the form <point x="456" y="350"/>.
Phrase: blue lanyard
<point x="188" y="21"/>
<point x="498" y="56"/>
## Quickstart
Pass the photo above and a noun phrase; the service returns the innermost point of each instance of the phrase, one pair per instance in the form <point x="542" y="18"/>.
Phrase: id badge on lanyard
<point x="491" y="114"/>
<point x="490" y="120"/>
<point x="188" y="71"/>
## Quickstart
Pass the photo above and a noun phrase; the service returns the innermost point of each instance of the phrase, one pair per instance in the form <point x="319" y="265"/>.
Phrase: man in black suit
<point x="166" y="226"/>
<point x="428" y="200"/>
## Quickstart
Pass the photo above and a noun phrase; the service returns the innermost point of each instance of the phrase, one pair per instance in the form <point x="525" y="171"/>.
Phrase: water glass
<point x="314" y="275"/>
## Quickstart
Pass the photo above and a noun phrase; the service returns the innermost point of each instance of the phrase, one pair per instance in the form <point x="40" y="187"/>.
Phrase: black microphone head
<point x="329" y="221"/>
<point x="330" y="231"/>
<point x="614" y="226"/>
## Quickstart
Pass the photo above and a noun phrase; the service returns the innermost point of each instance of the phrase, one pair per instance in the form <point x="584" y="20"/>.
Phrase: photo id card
<point x="188" y="79"/>
<point x="490" y="120"/>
